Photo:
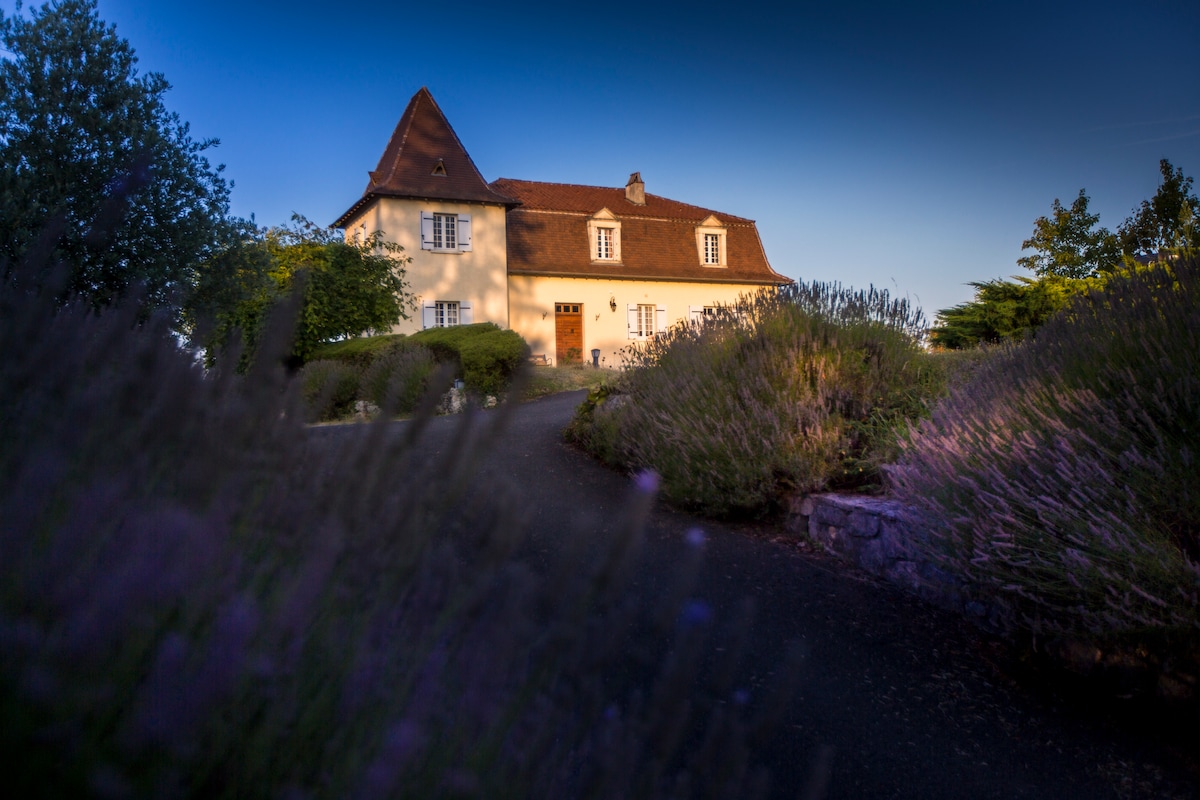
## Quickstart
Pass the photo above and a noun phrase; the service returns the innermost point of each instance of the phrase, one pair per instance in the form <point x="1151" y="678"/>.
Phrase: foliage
<point x="796" y="390"/>
<point x="399" y="377"/>
<point x="1068" y="244"/>
<point x="329" y="388"/>
<point x="485" y="357"/>
<point x="343" y="289"/>
<point x="1169" y="221"/>
<point x="490" y="361"/>
<point x="1003" y="310"/>
<point x="1061" y="480"/>
<point x="92" y="162"/>
<point x="201" y="598"/>
<point x="362" y="350"/>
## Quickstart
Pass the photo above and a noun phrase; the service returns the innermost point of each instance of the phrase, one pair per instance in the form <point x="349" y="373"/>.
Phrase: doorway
<point x="568" y="332"/>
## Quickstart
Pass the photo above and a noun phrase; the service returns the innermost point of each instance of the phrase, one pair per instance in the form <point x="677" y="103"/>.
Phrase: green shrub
<point x="329" y="389"/>
<point x="796" y="390"/>
<point x="490" y="361"/>
<point x="397" y="379"/>
<point x="363" y="350"/>
<point x="1062" y="481"/>
<point x="446" y="343"/>
<point x="485" y="357"/>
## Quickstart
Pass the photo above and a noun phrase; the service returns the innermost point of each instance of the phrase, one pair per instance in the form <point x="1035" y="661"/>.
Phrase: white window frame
<point x="446" y="314"/>
<point x="604" y="244"/>
<point x="604" y="238"/>
<point x="445" y="232"/>
<point x="646" y="320"/>
<point x="708" y="233"/>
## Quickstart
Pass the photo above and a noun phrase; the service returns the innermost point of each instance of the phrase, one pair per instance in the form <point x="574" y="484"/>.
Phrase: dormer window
<point x="439" y="168"/>
<point x="604" y="244"/>
<point x="711" y="242"/>
<point x="604" y="237"/>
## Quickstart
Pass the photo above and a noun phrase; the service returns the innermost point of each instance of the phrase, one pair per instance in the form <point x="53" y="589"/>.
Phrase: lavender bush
<point x="796" y="390"/>
<point x="1062" y="479"/>
<point x="199" y="597"/>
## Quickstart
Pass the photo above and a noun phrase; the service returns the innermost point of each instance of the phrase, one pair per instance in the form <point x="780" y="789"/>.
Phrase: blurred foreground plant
<point x="199" y="597"/>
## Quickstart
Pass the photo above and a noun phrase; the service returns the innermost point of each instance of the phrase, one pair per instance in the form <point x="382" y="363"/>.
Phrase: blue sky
<point x="906" y="145"/>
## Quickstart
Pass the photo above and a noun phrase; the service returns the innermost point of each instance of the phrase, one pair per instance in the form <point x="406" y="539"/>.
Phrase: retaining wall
<point x="877" y="535"/>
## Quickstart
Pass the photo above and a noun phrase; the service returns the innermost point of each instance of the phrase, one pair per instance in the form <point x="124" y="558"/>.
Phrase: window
<point x="604" y="244"/>
<point x="710" y="241"/>
<point x="604" y="237"/>
<point x="646" y="320"/>
<point x="445" y="233"/>
<point x="446" y="314"/>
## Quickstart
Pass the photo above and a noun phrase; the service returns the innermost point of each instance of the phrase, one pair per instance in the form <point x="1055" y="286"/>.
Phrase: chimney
<point x="635" y="190"/>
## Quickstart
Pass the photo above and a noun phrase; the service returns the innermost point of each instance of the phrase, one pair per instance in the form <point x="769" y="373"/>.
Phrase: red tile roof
<point x="424" y="159"/>
<point x="548" y="235"/>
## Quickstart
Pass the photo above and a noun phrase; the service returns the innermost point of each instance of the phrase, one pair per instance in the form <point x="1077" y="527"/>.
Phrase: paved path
<point x="895" y="699"/>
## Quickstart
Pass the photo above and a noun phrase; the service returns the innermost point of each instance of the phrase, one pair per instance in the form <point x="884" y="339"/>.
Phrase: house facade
<point x="570" y="268"/>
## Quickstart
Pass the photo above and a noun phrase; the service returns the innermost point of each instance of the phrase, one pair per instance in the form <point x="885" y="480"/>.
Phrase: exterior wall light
<point x="612" y="303"/>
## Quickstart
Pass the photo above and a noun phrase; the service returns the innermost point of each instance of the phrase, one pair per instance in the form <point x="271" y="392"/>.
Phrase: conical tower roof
<point x="425" y="160"/>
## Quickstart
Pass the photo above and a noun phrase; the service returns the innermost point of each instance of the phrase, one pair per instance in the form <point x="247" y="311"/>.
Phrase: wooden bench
<point x="540" y="360"/>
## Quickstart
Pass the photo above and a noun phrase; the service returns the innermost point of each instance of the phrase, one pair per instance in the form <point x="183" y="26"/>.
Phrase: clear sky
<point x="909" y="145"/>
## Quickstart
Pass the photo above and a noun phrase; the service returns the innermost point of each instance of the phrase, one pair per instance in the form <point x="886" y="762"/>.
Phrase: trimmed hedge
<point x="486" y="357"/>
<point x="362" y="351"/>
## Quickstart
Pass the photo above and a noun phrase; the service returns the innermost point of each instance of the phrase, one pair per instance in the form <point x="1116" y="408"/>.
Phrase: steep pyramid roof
<point x="425" y="159"/>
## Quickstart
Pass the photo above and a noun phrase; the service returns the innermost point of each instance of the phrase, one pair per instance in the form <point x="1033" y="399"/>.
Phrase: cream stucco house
<point x="571" y="268"/>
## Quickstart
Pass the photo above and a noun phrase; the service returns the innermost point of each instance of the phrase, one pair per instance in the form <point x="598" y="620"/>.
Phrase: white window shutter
<point x="426" y="232"/>
<point x="464" y="233"/>
<point x="465" y="315"/>
<point x="660" y="320"/>
<point x="429" y="315"/>
<point x="633" y="321"/>
<point x="696" y="313"/>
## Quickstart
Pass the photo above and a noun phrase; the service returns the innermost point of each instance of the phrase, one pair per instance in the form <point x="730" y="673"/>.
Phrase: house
<point x="571" y="268"/>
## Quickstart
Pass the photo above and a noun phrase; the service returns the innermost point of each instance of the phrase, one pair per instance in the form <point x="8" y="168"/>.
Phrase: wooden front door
<point x="568" y="332"/>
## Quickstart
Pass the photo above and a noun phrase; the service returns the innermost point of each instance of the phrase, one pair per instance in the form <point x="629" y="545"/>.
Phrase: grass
<point x="543" y="381"/>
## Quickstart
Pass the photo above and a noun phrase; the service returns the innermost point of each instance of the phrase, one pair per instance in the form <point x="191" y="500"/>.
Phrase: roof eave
<point x="370" y="197"/>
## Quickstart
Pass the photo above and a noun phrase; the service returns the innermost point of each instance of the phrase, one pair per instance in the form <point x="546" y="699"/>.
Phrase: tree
<point x="346" y="288"/>
<point x="1004" y="310"/>
<point x="1069" y="244"/>
<point x="89" y="153"/>
<point x="1167" y="221"/>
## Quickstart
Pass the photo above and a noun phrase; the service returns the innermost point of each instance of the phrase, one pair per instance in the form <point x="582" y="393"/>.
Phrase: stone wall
<point x="878" y="535"/>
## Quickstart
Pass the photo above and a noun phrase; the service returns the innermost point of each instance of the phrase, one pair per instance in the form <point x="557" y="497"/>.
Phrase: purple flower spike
<point x="647" y="481"/>
<point x="695" y="537"/>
